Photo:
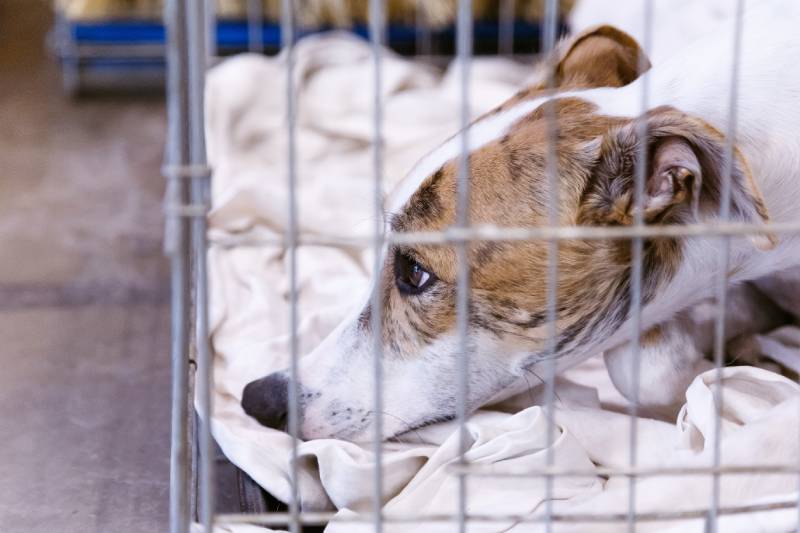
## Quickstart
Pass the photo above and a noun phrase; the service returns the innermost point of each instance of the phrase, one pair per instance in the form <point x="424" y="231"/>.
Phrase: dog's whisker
<point x="530" y="388"/>
<point x="407" y="423"/>
<point x="555" y="393"/>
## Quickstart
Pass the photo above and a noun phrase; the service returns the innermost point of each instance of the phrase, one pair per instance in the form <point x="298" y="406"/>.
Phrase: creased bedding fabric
<point x="246" y="133"/>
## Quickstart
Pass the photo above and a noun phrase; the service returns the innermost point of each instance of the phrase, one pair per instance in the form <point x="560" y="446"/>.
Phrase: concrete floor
<point x="84" y="325"/>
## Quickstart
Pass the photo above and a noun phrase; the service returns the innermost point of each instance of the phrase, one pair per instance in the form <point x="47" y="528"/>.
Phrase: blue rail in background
<point x="138" y="46"/>
<point x="117" y="32"/>
<point x="234" y="33"/>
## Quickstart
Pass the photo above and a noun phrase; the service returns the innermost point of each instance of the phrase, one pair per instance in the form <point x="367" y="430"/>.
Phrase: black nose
<point x="266" y="400"/>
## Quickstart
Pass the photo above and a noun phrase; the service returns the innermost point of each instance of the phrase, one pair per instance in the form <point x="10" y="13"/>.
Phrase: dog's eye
<point x="410" y="276"/>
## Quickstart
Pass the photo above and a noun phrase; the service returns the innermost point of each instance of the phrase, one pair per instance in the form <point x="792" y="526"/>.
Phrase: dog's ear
<point x="603" y="56"/>
<point x="684" y="178"/>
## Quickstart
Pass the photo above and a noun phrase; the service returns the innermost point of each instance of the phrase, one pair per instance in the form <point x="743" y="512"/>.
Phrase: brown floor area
<point x="84" y="321"/>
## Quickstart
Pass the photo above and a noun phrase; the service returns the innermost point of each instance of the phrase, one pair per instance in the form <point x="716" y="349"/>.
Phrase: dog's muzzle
<point x="267" y="400"/>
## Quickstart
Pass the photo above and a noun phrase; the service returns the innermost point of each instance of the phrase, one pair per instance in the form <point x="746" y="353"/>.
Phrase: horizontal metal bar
<point x="478" y="470"/>
<point x="482" y="233"/>
<point x="321" y="518"/>
<point x="186" y="171"/>
<point x="186" y="210"/>
<point x="128" y="51"/>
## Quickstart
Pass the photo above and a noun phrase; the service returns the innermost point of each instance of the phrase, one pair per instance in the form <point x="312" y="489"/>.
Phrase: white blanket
<point x="247" y="146"/>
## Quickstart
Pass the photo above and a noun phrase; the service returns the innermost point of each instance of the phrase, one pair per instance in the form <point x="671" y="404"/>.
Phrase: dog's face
<point x="508" y="329"/>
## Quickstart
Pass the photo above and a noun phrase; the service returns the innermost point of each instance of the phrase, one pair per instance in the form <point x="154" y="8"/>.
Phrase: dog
<point x="597" y="108"/>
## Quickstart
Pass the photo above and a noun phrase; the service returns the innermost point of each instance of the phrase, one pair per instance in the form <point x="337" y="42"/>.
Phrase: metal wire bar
<point x="185" y="171"/>
<point x="479" y="470"/>
<point x="70" y="51"/>
<point x="637" y="253"/>
<point x="287" y="44"/>
<point x="553" y="216"/>
<point x="721" y="289"/>
<point x="190" y="210"/>
<point x="211" y="31"/>
<point x="181" y="445"/>
<point x="177" y="247"/>
<point x="464" y="53"/>
<point x="489" y="233"/>
<point x="505" y="22"/>
<point x="194" y="460"/>
<point x="255" y="26"/>
<point x="321" y="518"/>
<point x="376" y="32"/>
<point x="423" y="42"/>
<point x="200" y="193"/>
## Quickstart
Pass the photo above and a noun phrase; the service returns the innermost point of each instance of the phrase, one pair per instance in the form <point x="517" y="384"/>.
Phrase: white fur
<point x="676" y="23"/>
<point x="479" y="134"/>
<point x="675" y="358"/>
<point x="663" y="378"/>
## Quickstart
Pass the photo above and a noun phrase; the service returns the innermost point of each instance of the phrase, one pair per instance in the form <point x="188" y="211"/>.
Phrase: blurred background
<point x="84" y="321"/>
<point x="84" y="316"/>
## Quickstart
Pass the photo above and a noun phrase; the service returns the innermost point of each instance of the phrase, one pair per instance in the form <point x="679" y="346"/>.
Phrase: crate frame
<point x="189" y="53"/>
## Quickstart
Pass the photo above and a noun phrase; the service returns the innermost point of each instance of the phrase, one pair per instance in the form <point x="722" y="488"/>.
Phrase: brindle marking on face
<point x="508" y="187"/>
<point x="408" y="321"/>
<point x="508" y="280"/>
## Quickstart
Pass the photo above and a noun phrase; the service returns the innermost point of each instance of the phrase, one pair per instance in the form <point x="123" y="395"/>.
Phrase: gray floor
<point x="84" y="366"/>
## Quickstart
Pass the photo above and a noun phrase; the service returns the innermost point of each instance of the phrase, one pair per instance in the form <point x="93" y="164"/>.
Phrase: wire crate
<point x="189" y="52"/>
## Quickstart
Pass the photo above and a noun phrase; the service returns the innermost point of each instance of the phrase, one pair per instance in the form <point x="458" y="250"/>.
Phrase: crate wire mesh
<point x="190" y="52"/>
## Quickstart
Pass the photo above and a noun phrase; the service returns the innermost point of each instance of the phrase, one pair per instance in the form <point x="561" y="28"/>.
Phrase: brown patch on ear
<point x="686" y="162"/>
<point x="652" y="336"/>
<point x="601" y="57"/>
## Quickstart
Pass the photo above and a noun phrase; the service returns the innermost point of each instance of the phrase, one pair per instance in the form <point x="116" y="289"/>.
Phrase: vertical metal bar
<point x="376" y="32"/>
<point x="177" y="246"/>
<point x="200" y="192"/>
<point x="194" y="460"/>
<point x="255" y="26"/>
<point x="721" y="288"/>
<point x="553" y="214"/>
<point x="637" y="257"/>
<point x="505" y="21"/>
<point x="464" y="54"/>
<point x="422" y="43"/>
<point x="68" y="49"/>
<point x="211" y="31"/>
<point x="287" y="42"/>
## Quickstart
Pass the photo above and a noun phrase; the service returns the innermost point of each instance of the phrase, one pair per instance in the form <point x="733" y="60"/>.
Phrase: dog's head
<point x="508" y="329"/>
